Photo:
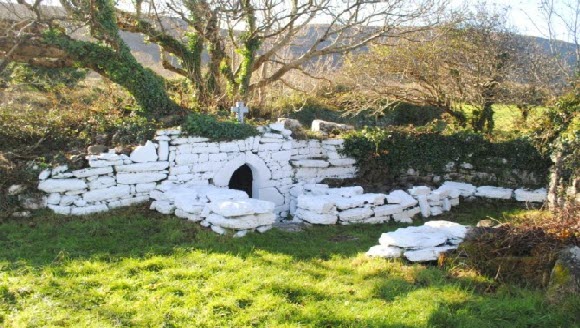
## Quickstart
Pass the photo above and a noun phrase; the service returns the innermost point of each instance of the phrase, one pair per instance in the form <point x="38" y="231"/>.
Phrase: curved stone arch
<point x="260" y="172"/>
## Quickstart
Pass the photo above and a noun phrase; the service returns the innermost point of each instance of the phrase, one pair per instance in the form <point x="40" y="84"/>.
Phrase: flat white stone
<point x="420" y="190"/>
<point x="376" y="219"/>
<point x="189" y="204"/>
<point x="402" y="198"/>
<point x="61" y="185"/>
<point x="163" y="207"/>
<point x="63" y="210"/>
<point x="414" y="237"/>
<point x="446" y="205"/>
<point x="402" y="217"/>
<point x="145" y="187"/>
<point x="264" y="228"/>
<point x="355" y="214"/>
<point x="465" y="189"/>
<point x="316" y="218"/>
<point x="494" y="192"/>
<point x="89" y="209"/>
<point x="453" y="230"/>
<point x="218" y="194"/>
<point x="524" y="195"/>
<point x="242" y="222"/>
<point x="59" y="169"/>
<point x="316" y="163"/>
<point x="45" y="174"/>
<point x="277" y="127"/>
<point x="344" y="203"/>
<point x="231" y="208"/>
<point x="218" y="230"/>
<point x="143" y="167"/>
<point x="146" y="153"/>
<point x="143" y="177"/>
<point x="342" y="161"/>
<point x="89" y="172"/>
<point x="411" y="212"/>
<point x="102" y="182"/>
<point x="388" y="210"/>
<point x="436" y="210"/>
<point x="240" y="234"/>
<point x="53" y="198"/>
<point x="424" y="206"/>
<point x="66" y="200"/>
<point x="384" y="251"/>
<point x="271" y="194"/>
<point x="426" y="254"/>
<point x="346" y="191"/>
<point x="107" y="193"/>
<point x="103" y="163"/>
<point x="317" y="204"/>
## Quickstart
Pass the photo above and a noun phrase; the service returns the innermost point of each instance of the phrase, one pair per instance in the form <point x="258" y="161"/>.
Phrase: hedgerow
<point x="388" y="152"/>
<point x="210" y="127"/>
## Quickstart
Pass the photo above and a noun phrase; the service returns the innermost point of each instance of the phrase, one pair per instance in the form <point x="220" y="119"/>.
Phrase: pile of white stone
<point x="218" y="208"/>
<point x="422" y="243"/>
<point x="467" y="190"/>
<point x="319" y="204"/>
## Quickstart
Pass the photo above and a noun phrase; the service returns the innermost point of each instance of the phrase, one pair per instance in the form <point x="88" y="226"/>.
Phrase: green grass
<point x="137" y="268"/>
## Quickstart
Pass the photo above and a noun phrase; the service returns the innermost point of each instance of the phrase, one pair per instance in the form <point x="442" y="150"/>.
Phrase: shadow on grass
<point x="137" y="232"/>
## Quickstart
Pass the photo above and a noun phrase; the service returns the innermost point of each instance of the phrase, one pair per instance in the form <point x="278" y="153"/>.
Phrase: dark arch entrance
<point x="242" y="179"/>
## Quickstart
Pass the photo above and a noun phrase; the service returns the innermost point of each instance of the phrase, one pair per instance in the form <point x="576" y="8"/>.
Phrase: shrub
<point x="387" y="152"/>
<point x="210" y="127"/>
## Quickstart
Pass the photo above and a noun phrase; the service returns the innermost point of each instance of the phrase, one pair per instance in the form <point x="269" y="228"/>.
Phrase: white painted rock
<point x="384" y="251"/>
<point x="242" y="222"/>
<point x="214" y="194"/>
<point x="316" y="163"/>
<point x="414" y="237"/>
<point x="355" y="214"/>
<point x="61" y="185"/>
<point x="388" y="210"/>
<point x="89" y="172"/>
<point x="537" y="196"/>
<point x="465" y="189"/>
<point x="343" y="203"/>
<point x="271" y="194"/>
<point x="316" y="218"/>
<point x="232" y="208"/>
<point x="494" y="192"/>
<point x="142" y="167"/>
<point x="402" y="198"/>
<point x="142" y="154"/>
<point x="107" y="193"/>
<point x="346" y="191"/>
<point x="426" y="254"/>
<point x="143" y="177"/>
<point x="453" y="230"/>
<point x="45" y="174"/>
<point x="89" y="209"/>
<point x="317" y="204"/>
<point x="420" y="190"/>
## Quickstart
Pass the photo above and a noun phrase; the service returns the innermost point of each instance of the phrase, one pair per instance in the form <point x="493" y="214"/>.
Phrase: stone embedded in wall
<point x="524" y="195"/>
<point x="61" y="185"/>
<point x="143" y="177"/>
<point x="146" y="153"/>
<point x="494" y="192"/>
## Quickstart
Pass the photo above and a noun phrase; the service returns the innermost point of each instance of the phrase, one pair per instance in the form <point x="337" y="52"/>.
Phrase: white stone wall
<point x="277" y="162"/>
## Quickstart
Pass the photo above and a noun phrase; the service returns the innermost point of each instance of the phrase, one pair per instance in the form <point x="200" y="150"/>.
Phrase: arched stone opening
<point x="242" y="179"/>
<point x="260" y="173"/>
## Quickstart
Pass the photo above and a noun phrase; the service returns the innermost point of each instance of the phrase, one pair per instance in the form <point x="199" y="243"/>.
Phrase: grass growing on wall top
<point x="137" y="268"/>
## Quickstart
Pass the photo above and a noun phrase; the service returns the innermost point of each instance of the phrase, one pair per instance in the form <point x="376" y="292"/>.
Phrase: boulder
<point x="328" y="127"/>
<point x="565" y="276"/>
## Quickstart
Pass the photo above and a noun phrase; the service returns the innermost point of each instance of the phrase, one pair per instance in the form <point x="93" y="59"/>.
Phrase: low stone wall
<point x="277" y="162"/>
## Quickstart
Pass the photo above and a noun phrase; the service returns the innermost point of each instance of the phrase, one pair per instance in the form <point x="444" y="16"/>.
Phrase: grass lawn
<point x="137" y="268"/>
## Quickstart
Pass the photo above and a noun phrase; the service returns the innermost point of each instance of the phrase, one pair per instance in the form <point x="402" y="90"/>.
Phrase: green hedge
<point x="386" y="153"/>
<point x="210" y="127"/>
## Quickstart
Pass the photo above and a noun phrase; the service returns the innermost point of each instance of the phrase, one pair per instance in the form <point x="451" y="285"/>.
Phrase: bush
<point x="209" y="127"/>
<point x="387" y="152"/>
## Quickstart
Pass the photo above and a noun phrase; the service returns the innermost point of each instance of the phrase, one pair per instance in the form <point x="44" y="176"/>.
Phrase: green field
<point x="141" y="269"/>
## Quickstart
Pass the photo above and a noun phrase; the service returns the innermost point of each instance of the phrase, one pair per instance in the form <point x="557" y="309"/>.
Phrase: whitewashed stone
<point x="67" y="200"/>
<point x="59" y="169"/>
<point x="163" y="151"/>
<point x="420" y="190"/>
<point x="454" y="201"/>
<point x="342" y="161"/>
<point x="371" y="198"/>
<point x="411" y="212"/>
<point x="240" y="234"/>
<point x="453" y="230"/>
<point x="436" y="210"/>
<point x="53" y="198"/>
<point x="218" y="230"/>
<point x="355" y="214"/>
<point x="377" y="219"/>
<point x="107" y="193"/>
<point x="384" y="251"/>
<point x="316" y="218"/>
<point x="271" y="194"/>
<point x="45" y="174"/>
<point x="163" y="207"/>
<point x="143" y="177"/>
<point x="217" y="194"/>
<point x="145" y="187"/>
<point x="414" y="237"/>
<point x="424" y="206"/>
<point x="80" y="203"/>
<point x="346" y="191"/>
<point x="143" y="154"/>
<point x="344" y="203"/>
<point x="277" y="127"/>
<point x="314" y="163"/>
<point x="387" y="210"/>
<point x="402" y="198"/>
<point x="134" y="200"/>
<point x="524" y="195"/>
<point x="229" y="208"/>
<point x="102" y="182"/>
<point x="61" y="185"/>
<point x="446" y="207"/>
<point x="89" y="209"/>
<point x="103" y="163"/>
<point x="402" y="217"/>
<point x="494" y="192"/>
<point x="264" y="228"/>
<point x="426" y="254"/>
<point x="92" y="172"/>
<point x="318" y="204"/>
<point x="142" y="167"/>
<point x="465" y="189"/>
<point x="62" y="210"/>
<point x="242" y="222"/>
